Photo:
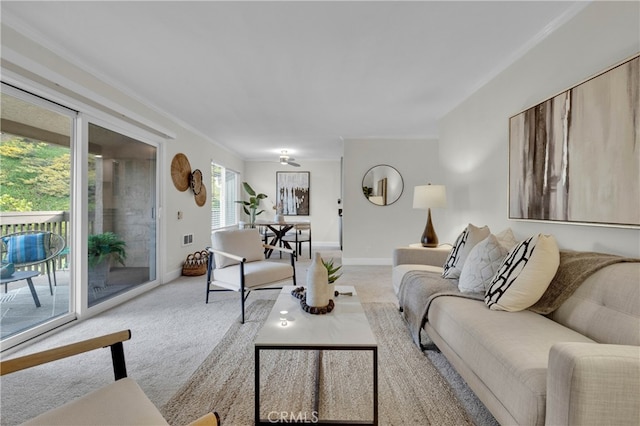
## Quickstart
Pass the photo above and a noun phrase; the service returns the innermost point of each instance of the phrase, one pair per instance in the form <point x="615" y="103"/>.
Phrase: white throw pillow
<point x="471" y="236"/>
<point x="241" y="242"/>
<point x="524" y="275"/>
<point x="481" y="265"/>
<point x="507" y="239"/>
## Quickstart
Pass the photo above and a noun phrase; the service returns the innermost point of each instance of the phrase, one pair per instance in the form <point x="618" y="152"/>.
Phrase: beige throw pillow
<point x="524" y="275"/>
<point x="470" y="236"/>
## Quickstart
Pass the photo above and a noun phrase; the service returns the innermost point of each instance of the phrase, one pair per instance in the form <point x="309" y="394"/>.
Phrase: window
<point x="224" y="184"/>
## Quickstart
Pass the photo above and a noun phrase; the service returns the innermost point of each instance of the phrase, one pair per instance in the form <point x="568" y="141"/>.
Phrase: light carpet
<point x="174" y="331"/>
<point x="411" y="390"/>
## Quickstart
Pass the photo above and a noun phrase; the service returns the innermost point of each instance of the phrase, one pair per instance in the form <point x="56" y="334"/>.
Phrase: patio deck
<point x="18" y="311"/>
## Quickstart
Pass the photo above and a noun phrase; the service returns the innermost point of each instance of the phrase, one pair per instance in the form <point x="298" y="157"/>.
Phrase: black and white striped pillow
<point x="524" y="274"/>
<point x="470" y="236"/>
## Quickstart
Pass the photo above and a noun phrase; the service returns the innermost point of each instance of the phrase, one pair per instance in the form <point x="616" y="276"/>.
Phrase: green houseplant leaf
<point x="250" y="207"/>
<point x="331" y="270"/>
<point x="106" y="246"/>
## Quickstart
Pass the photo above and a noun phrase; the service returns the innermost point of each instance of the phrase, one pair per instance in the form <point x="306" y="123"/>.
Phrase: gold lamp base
<point x="429" y="237"/>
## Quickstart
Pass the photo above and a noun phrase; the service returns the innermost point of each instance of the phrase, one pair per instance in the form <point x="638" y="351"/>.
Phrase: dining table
<point x="279" y="229"/>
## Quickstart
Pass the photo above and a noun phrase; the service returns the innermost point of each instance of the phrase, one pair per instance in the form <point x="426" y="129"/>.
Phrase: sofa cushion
<point x="481" y="265"/>
<point x="468" y="238"/>
<point x="507" y="351"/>
<point x="524" y="274"/>
<point x="605" y="307"/>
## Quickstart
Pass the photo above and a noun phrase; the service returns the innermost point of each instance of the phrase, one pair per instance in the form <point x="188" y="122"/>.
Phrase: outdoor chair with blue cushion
<point x="237" y="263"/>
<point x="29" y="248"/>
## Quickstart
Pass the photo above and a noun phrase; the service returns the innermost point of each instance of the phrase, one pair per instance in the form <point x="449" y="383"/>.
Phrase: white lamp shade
<point x="429" y="196"/>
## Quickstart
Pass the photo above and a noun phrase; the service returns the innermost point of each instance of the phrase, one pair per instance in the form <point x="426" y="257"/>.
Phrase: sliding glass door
<point x="36" y="151"/>
<point x="121" y="189"/>
<point x="72" y="181"/>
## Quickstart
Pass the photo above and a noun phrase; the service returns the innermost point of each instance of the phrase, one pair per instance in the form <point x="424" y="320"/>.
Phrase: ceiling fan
<point x="286" y="160"/>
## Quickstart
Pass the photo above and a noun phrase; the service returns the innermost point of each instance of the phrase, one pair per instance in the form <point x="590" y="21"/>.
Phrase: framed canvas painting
<point x="575" y="157"/>
<point x="292" y="192"/>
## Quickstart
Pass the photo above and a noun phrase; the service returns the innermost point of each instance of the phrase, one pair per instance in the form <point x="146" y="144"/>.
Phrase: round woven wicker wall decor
<point x="196" y="181"/>
<point x="181" y="172"/>
<point x="201" y="197"/>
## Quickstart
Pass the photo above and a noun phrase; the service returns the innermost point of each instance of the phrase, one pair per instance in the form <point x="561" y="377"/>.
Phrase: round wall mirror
<point x="382" y="185"/>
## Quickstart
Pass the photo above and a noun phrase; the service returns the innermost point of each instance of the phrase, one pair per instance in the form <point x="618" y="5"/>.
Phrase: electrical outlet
<point x="187" y="239"/>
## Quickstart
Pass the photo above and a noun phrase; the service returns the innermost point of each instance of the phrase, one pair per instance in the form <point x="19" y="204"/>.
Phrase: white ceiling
<point x="259" y="77"/>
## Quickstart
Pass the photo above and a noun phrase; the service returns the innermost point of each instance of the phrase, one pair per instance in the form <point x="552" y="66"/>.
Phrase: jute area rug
<point x="411" y="391"/>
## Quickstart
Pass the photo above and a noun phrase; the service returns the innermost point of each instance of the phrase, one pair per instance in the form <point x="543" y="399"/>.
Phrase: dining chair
<point x="237" y="263"/>
<point x="301" y="234"/>
<point x="30" y="248"/>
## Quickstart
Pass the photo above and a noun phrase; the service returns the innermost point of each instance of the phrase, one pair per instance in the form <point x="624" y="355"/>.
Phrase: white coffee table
<point x="345" y="328"/>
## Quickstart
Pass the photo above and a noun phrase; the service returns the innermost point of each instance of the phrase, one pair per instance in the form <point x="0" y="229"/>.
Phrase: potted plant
<point x="103" y="249"/>
<point x="250" y="207"/>
<point x="331" y="270"/>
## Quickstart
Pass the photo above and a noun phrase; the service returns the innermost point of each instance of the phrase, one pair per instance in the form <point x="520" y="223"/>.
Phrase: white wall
<point x="195" y="220"/>
<point x="474" y="136"/>
<point x="371" y="232"/>
<point x="323" y="203"/>
<point x="19" y="50"/>
<point x="472" y="154"/>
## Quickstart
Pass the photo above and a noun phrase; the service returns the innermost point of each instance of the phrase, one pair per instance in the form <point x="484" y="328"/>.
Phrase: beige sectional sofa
<point x="578" y="365"/>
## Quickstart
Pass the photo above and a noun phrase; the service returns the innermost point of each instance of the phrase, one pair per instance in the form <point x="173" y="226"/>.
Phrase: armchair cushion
<point x="255" y="273"/>
<point x="26" y="248"/>
<point x="121" y="402"/>
<point x="242" y="242"/>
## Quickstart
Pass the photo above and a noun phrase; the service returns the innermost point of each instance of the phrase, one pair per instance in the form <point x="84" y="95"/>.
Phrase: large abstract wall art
<point x="576" y="157"/>
<point x="292" y="192"/>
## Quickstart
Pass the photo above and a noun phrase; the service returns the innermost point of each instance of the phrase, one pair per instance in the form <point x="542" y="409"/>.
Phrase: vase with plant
<point x="104" y="249"/>
<point x="320" y="278"/>
<point x="251" y="207"/>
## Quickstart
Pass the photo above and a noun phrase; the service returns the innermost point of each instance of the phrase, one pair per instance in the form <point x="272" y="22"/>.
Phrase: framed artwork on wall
<point x="575" y="158"/>
<point x="292" y="193"/>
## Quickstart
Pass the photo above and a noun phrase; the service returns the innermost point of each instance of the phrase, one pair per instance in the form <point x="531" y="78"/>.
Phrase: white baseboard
<point x="171" y="276"/>
<point x="325" y="245"/>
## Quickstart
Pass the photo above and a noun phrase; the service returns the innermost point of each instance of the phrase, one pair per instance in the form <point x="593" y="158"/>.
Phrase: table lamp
<point x="426" y="197"/>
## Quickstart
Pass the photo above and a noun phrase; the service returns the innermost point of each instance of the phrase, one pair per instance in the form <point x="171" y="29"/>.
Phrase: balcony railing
<point x="56" y="222"/>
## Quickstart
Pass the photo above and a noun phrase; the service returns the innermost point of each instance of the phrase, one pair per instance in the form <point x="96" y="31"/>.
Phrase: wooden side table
<point x="23" y="275"/>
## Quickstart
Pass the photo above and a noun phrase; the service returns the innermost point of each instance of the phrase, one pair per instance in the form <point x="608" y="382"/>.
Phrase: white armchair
<point x="237" y="263"/>
<point x="122" y="402"/>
